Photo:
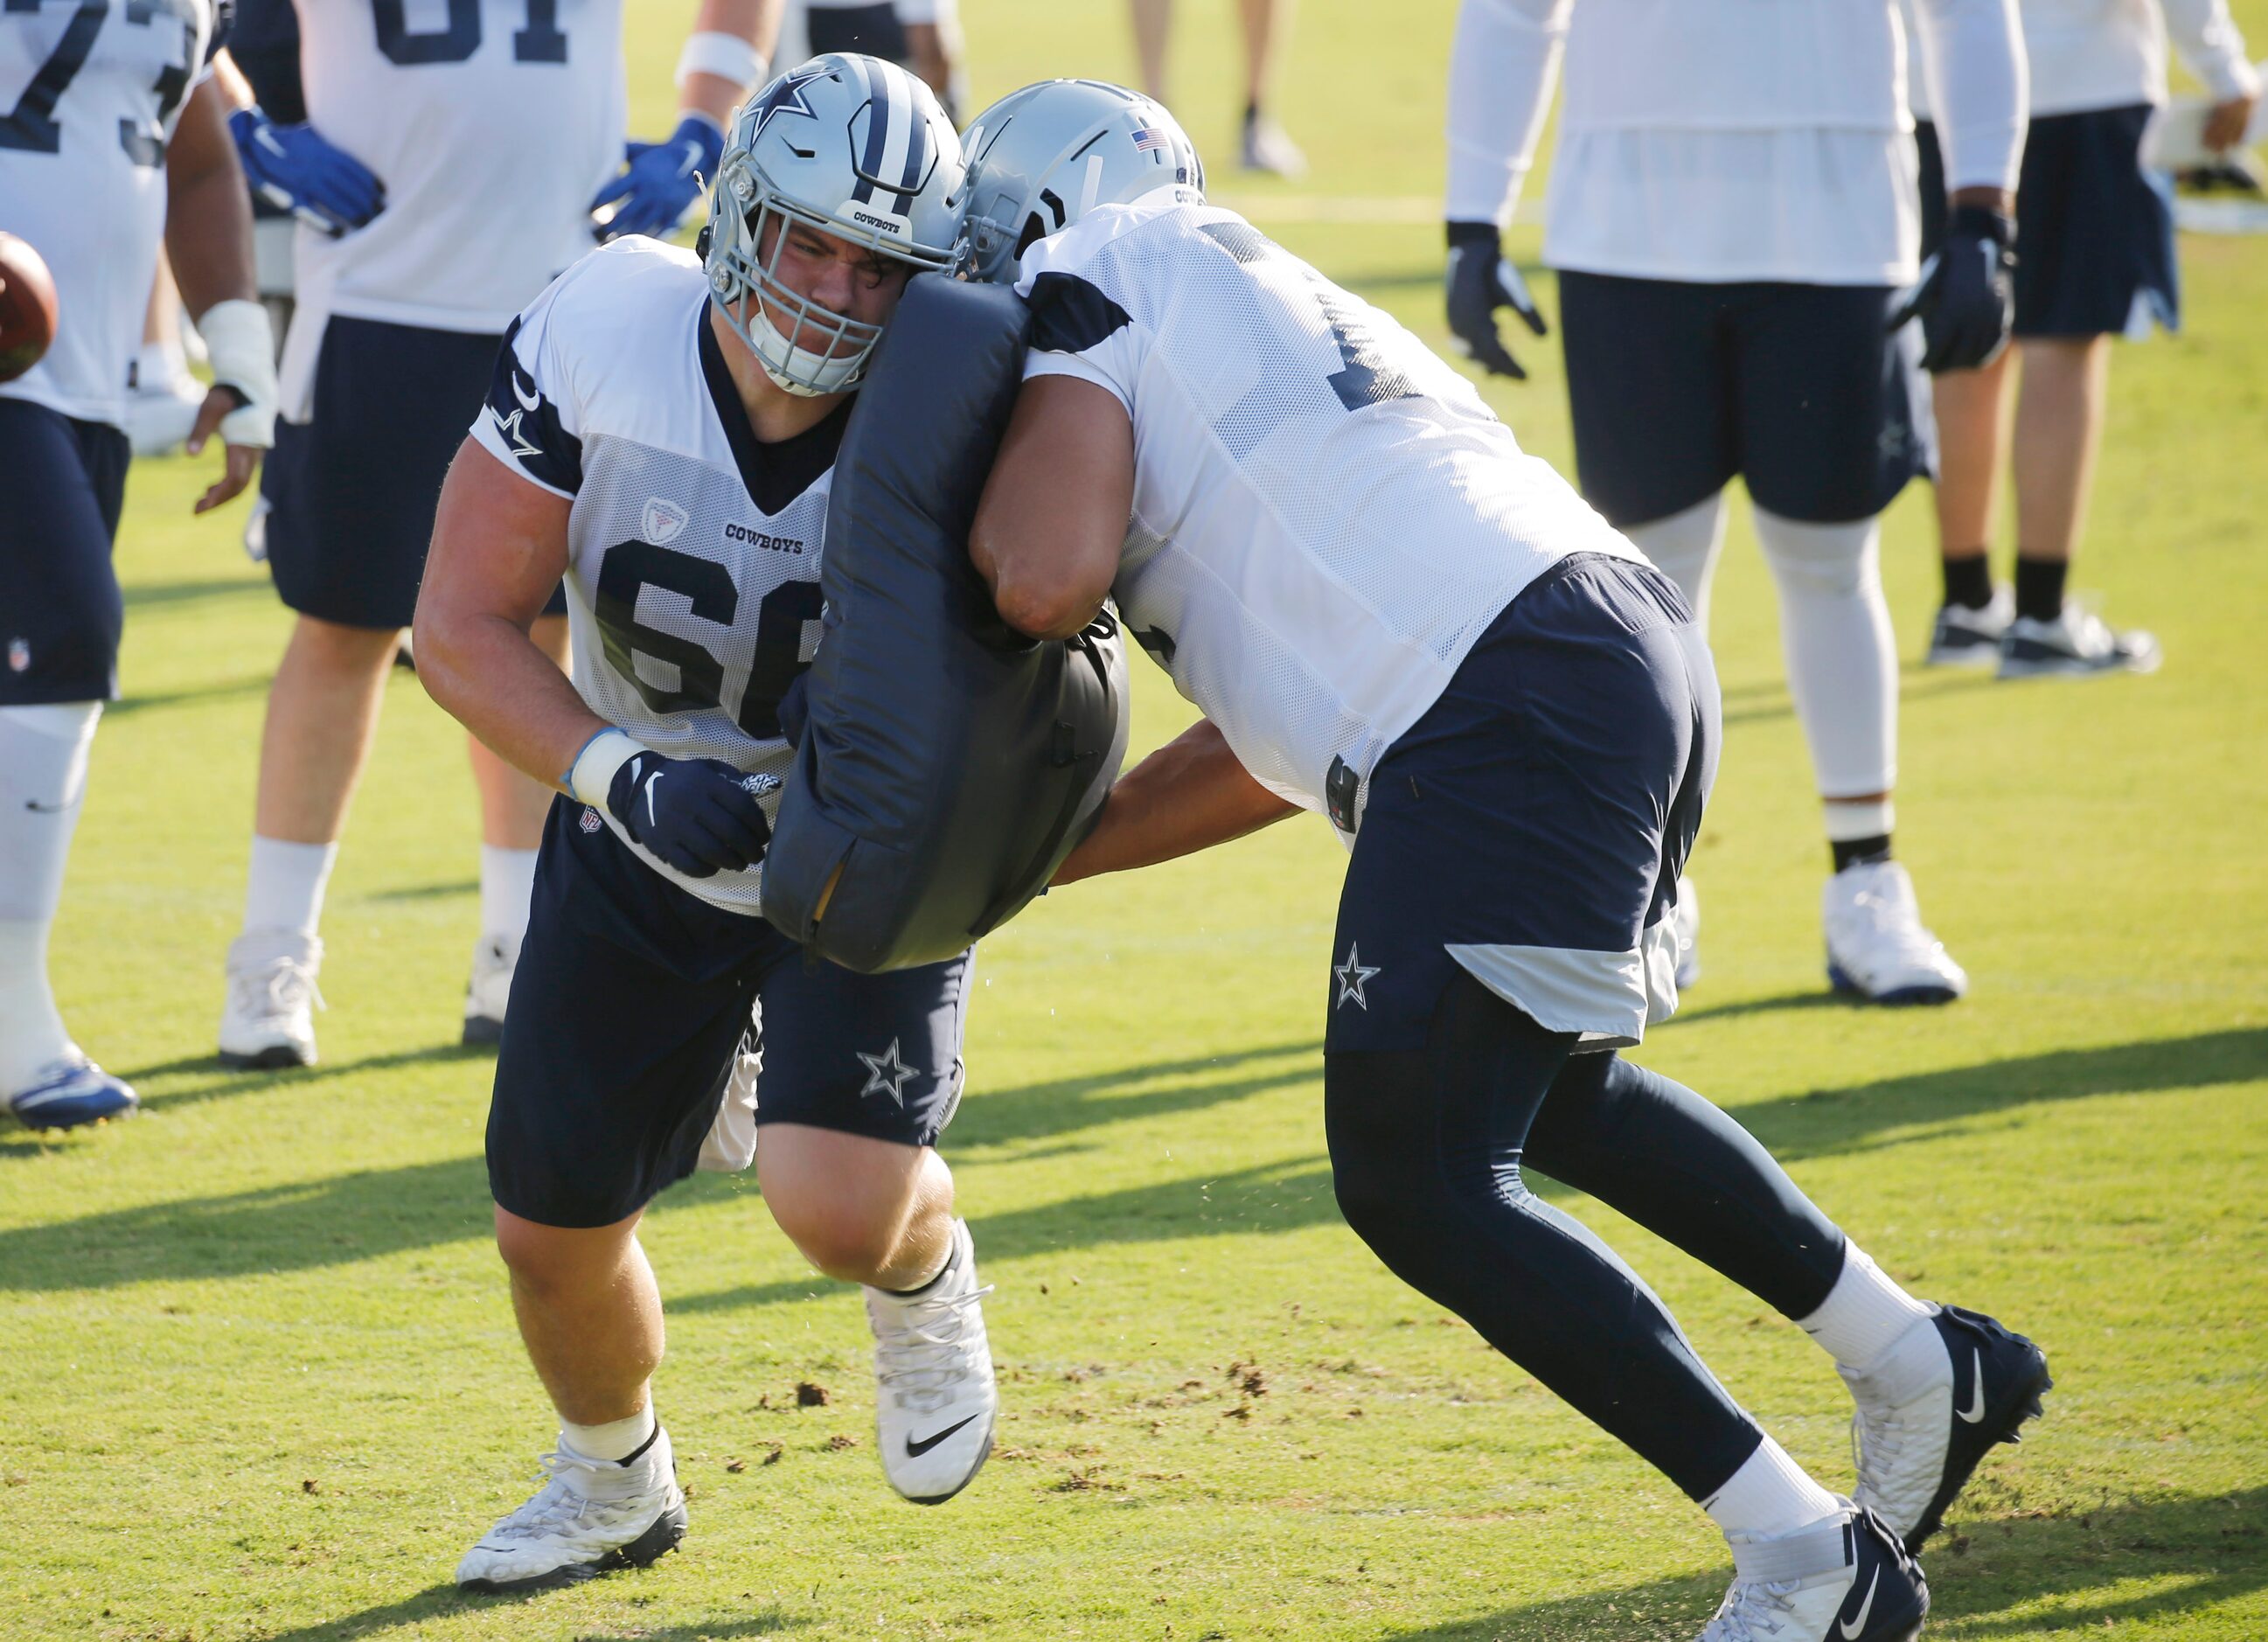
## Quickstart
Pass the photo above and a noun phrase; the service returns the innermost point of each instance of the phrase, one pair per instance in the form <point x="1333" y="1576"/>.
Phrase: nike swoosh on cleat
<point x="1851" y="1628"/>
<point x="1975" y="1411"/>
<point x="914" y="1450"/>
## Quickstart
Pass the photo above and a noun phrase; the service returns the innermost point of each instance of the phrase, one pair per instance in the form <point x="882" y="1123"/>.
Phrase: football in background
<point x="27" y="307"/>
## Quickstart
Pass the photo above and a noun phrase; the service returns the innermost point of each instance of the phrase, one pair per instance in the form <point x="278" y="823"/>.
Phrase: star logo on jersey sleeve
<point x="1352" y="976"/>
<point x="887" y="1074"/>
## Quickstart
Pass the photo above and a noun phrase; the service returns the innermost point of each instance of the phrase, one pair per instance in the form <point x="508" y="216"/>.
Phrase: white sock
<point x="42" y="778"/>
<point x="1771" y="1494"/>
<point x="1684" y="547"/>
<point x="617" y="1439"/>
<point x="1841" y="658"/>
<point x="1865" y="1311"/>
<point x="284" y="885"/>
<point x="507" y="884"/>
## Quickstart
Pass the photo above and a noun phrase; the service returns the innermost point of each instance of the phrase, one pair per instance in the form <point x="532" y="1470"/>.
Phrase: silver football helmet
<point x="1041" y="157"/>
<point x="852" y="146"/>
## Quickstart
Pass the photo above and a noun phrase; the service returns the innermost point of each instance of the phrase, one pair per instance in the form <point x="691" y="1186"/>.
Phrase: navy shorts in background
<point x="63" y="482"/>
<point x="629" y="1005"/>
<point x="1531" y="826"/>
<point x="1677" y="386"/>
<point x="2094" y="232"/>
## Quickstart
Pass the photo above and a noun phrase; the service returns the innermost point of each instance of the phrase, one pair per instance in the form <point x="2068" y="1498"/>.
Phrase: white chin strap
<point x="797" y="371"/>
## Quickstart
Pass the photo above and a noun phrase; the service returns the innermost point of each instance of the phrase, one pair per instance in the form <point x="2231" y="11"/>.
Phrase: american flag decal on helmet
<point x="1144" y="139"/>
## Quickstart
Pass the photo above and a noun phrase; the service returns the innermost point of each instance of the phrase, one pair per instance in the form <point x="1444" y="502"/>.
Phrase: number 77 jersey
<point x="1326" y="515"/>
<point x="693" y="597"/>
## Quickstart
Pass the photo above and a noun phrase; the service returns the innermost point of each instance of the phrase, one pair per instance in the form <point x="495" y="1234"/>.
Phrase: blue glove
<point x="1478" y="282"/>
<point x="293" y="167"/>
<point x="1966" y="297"/>
<point x="698" y="814"/>
<point x="661" y="181"/>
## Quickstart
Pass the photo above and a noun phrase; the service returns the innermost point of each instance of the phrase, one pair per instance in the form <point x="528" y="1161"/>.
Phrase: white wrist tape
<point x="727" y="56"/>
<point x="591" y="775"/>
<point x="241" y="345"/>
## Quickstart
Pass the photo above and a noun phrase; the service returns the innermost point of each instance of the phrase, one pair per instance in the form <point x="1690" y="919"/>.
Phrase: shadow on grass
<point x="225" y="1081"/>
<point x="149" y="595"/>
<point x="409" y="1616"/>
<point x="1044" y="1111"/>
<point x="2014" y="1576"/>
<point x="225" y="689"/>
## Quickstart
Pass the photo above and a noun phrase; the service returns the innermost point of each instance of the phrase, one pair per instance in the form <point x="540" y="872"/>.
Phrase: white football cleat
<point x="1931" y="1406"/>
<point x="2078" y="643"/>
<point x="1876" y="945"/>
<point x="1963" y="638"/>
<point x="1685" y="924"/>
<point x="490" y="990"/>
<point x="1846" y="1580"/>
<point x="590" y="1517"/>
<point x="266" y="1022"/>
<point x="67" y="1093"/>
<point x="1268" y="148"/>
<point x="935" y="1400"/>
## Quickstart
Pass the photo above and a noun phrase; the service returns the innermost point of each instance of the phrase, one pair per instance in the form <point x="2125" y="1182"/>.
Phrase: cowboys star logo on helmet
<point x="785" y="97"/>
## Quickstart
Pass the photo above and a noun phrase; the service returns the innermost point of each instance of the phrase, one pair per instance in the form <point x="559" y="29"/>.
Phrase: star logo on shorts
<point x="1892" y="439"/>
<point x="1351" y="974"/>
<point x="887" y="1074"/>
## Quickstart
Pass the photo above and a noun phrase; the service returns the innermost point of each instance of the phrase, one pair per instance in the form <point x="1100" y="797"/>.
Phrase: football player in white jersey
<point x="2096" y="231"/>
<point x="1390" y="615"/>
<point x="112" y="137"/>
<point x="663" y="433"/>
<point x="1732" y="215"/>
<point x="449" y="166"/>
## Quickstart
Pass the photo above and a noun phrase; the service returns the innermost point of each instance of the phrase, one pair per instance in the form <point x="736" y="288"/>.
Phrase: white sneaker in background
<point x="1876" y="945"/>
<point x="588" y="1517"/>
<point x="266" y="1022"/>
<point x="1963" y="638"/>
<point x="488" y="990"/>
<point x="935" y="1400"/>
<point x="1270" y="150"/>
<point x="2078" y="643"/>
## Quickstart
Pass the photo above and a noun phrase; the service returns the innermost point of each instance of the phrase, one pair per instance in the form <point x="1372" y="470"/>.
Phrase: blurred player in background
<point x="1733" y="213"/>
<point x="923" y="35"/>
<point x="1266" y="147"/>
<point x="2095" y="257"/>
<point x="114" y="135"/>
<point x="443" y="174"/>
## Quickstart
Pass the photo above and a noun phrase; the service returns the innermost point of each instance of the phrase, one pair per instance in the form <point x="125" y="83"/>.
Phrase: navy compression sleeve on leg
<point x="1426" y="1153"/>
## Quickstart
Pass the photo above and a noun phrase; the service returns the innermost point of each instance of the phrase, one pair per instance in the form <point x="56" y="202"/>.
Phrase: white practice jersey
<point x="90" y="90"/>
<point x="693" y="591"/>
<point x="492" y="123"/>
<point x="2111" y="53"/>
<point x="1326" y="515"/>
<point x="1727" y="140"/>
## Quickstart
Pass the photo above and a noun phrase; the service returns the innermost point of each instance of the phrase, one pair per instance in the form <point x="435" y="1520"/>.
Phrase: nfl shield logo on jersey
<point x="664" y="521"/>
<point x="19" y="656"/>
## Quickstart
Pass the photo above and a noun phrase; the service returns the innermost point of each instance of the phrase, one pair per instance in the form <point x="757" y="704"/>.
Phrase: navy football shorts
<point x="1531" y="826"/>
<point x="347" y="498"/>
<point x="1676" y="386"/>
<point x="629" y="1005"/>
<point x="2094" y="232"/>
<point x="61" y="484"/>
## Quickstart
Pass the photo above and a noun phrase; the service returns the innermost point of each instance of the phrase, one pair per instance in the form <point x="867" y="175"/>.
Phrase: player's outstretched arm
<point x="209" y="242"/>
<point x="1053" y="516"/>
<point x="1189" y="795"/>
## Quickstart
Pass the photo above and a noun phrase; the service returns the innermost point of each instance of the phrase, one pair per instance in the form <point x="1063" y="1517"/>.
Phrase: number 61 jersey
<point x="693" y="550"/>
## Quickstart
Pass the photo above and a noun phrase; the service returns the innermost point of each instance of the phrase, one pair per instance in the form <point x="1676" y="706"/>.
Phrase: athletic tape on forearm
<point x="727" y="56"/>
<point x="591" y="775"/>
<point x="241" y="345"/>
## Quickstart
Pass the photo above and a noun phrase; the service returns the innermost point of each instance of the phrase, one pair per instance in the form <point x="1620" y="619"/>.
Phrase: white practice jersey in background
<point x="1727" y="140"/>
<point x="2111" y="53"/>
<point x="492" y="123"/>
<point x="692" y="603"/>
<point x="90" y="90"/>
<point x="1326" y="515"/>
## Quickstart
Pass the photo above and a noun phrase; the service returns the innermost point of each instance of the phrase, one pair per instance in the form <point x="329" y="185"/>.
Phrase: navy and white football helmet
<point x="852" y="146"/>
<point x="1043" y="156"/>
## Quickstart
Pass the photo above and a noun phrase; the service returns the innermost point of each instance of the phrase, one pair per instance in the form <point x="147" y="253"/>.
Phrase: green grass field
<point x="259" y="1377"/>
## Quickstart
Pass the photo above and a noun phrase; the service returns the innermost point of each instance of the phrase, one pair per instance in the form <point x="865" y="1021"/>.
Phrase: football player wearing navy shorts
<point x="449" y="163"/>
<point x="662" y="432"/>
<point x="2094" y="232"/>
<point x="113" y="136"/>
<point x="1392" y="616"/>
<point x="1734" y="221"/>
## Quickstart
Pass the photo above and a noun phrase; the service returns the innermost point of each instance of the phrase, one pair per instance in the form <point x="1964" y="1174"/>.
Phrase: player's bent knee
<point x="845" y="1200"/>
<point x="540" y="1256"/>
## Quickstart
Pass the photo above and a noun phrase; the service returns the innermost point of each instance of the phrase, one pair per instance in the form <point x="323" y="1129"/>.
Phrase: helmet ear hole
<point x="1035" y="229"/>
<point x="701" y="243"/>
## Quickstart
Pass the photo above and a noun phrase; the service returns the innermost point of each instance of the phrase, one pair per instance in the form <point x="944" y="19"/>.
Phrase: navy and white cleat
<point x="936" y="1399"/>
<point x="1934" y="1405"/>
<point x="590" y="1517"/>
<point x="70" y="1093"/>
<point x="2078" y="643"/>
<point x="1964" y="637"/>
<point x="490" y="990"/>
<point x="1846" y="1580"/>
<point x="1877" y="947"/>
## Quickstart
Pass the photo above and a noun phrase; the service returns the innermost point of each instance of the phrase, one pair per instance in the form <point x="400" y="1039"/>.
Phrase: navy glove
<point x="698" y="814"/>
<point x="661" y="181"/>
<point x="294" y="167"/>
<point x="1479" y="281"/>
<point x="1966" y="297"/>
